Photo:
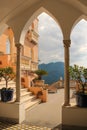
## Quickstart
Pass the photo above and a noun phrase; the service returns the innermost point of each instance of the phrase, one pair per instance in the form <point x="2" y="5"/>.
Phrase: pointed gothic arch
<point x="7" y="38"/>
<point x="77" y="21"/>
<point x="79" y="40"/>
<point x="31" y="19"/>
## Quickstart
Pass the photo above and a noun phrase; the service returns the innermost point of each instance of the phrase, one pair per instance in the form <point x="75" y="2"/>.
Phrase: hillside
<point x="55" y="71"/>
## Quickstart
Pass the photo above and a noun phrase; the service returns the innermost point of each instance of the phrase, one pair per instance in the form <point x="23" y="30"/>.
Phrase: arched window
<point x="7" y="47"/>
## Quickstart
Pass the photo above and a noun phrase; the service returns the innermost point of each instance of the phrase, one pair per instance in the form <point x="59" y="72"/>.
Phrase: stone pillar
<point x="66" y="73"/>
<point x="11" y="39"/>
<point x="18" y="73"/>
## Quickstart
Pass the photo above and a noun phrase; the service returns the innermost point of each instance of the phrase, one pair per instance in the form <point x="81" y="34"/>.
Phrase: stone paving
<point x="48" y="114"/>
<point x="13" y="126"/>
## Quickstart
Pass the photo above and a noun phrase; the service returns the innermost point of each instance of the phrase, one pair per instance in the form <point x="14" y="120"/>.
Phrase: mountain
<point x="55" y="71"/>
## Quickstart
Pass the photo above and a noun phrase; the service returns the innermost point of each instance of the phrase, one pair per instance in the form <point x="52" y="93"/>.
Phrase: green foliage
<point x="79" y="73"/>
<point x="40" y="73"/>
<point x="7" y="73"/>
<point x="75" y="72"/>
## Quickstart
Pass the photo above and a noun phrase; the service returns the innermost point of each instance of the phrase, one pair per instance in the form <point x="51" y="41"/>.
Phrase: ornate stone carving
<point x="67" y="43"/>
<point x="19" y="46"/>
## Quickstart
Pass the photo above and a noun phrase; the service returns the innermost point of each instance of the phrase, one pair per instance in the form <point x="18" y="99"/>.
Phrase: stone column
<point x="18" y="73"/>
<point x="66" y="73"/>
<point x="11" y="39"/>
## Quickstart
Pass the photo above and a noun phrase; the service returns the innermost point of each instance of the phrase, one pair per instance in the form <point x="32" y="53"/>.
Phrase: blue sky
<point x="51" y="46"/>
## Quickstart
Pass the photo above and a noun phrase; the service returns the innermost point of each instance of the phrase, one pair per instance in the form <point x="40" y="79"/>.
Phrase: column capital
<point x="67" y="43"/>
<point x="18" y="45"/>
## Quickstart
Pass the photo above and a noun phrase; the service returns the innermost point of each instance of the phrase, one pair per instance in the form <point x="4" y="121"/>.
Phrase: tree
<point x="40" y="73"/>
<point x="7" y="73"/>
<point x="79" y="73"/>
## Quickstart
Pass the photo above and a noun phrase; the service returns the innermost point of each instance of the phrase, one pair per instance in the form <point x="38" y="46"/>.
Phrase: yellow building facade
<point x="29" y="52"/>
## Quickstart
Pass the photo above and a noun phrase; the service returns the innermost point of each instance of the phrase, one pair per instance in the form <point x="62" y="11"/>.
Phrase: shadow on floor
<point x="62" y="127"/>
<point x="6" y="124"/>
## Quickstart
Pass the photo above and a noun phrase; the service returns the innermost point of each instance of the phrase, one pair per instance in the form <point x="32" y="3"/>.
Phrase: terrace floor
<point x="5" y="125"/>
<point x="48" y="114"/>
<point x="45" y="116"/>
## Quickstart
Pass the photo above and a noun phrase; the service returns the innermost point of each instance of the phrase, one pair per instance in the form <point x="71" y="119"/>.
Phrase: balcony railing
<point x="33" y="37"/>
<point x="34" y="65"/>
<point x="25" y="62"/>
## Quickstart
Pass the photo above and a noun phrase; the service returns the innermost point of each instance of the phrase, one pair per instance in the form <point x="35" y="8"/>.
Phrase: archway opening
<point x="50" y="48"/>
<point x="7" y="47"/>
<point x="79" y="44"/>
<point x="78" y="53"/>
<point x="55" y="43"/>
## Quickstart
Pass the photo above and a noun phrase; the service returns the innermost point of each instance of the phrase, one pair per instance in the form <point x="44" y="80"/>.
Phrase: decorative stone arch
<point x="67" y="43"/>
<point x="20" y="41"/>
<point x="7" y="34"/>
<point x="67" y="31"/>
<point x="3" y="27"/>
<point x="31" y="19"/>
<point x="7" y="30"/>
<point x="29" y="22"/>
<point x="10" y="36"/>
<point x="65" y="27"/>
<point x="77" y="21"/>
<point x="67" y="19"/>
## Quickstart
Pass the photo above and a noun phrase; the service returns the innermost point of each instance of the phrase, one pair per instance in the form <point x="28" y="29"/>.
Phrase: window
<point x="7" y="47"/>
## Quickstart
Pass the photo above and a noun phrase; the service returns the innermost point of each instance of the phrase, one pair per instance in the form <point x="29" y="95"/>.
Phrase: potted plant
<point x="40" y="73"/>
<point x="79" y="74"/>
<point x="7" y="74"/>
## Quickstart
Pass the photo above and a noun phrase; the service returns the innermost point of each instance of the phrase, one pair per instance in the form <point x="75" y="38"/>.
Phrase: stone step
<point x="27" y="98"/>
<point x="29" y="105"/>
<point x="24" y="90"/>
<point x="26" y="95"/>
<point x="23" y="93"/>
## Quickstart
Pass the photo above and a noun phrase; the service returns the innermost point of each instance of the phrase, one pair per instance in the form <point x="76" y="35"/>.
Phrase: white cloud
<point x="50" y="40"/>
<point x="51" y="45"/>
<point x="78" y="49"/>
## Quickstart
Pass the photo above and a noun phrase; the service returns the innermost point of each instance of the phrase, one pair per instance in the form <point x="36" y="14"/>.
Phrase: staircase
<point x="27" y="97"/>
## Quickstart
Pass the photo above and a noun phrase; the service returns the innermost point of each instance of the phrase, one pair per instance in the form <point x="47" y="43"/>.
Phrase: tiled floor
<point x="4" y="125"/>
<point x="14" y="126"/>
